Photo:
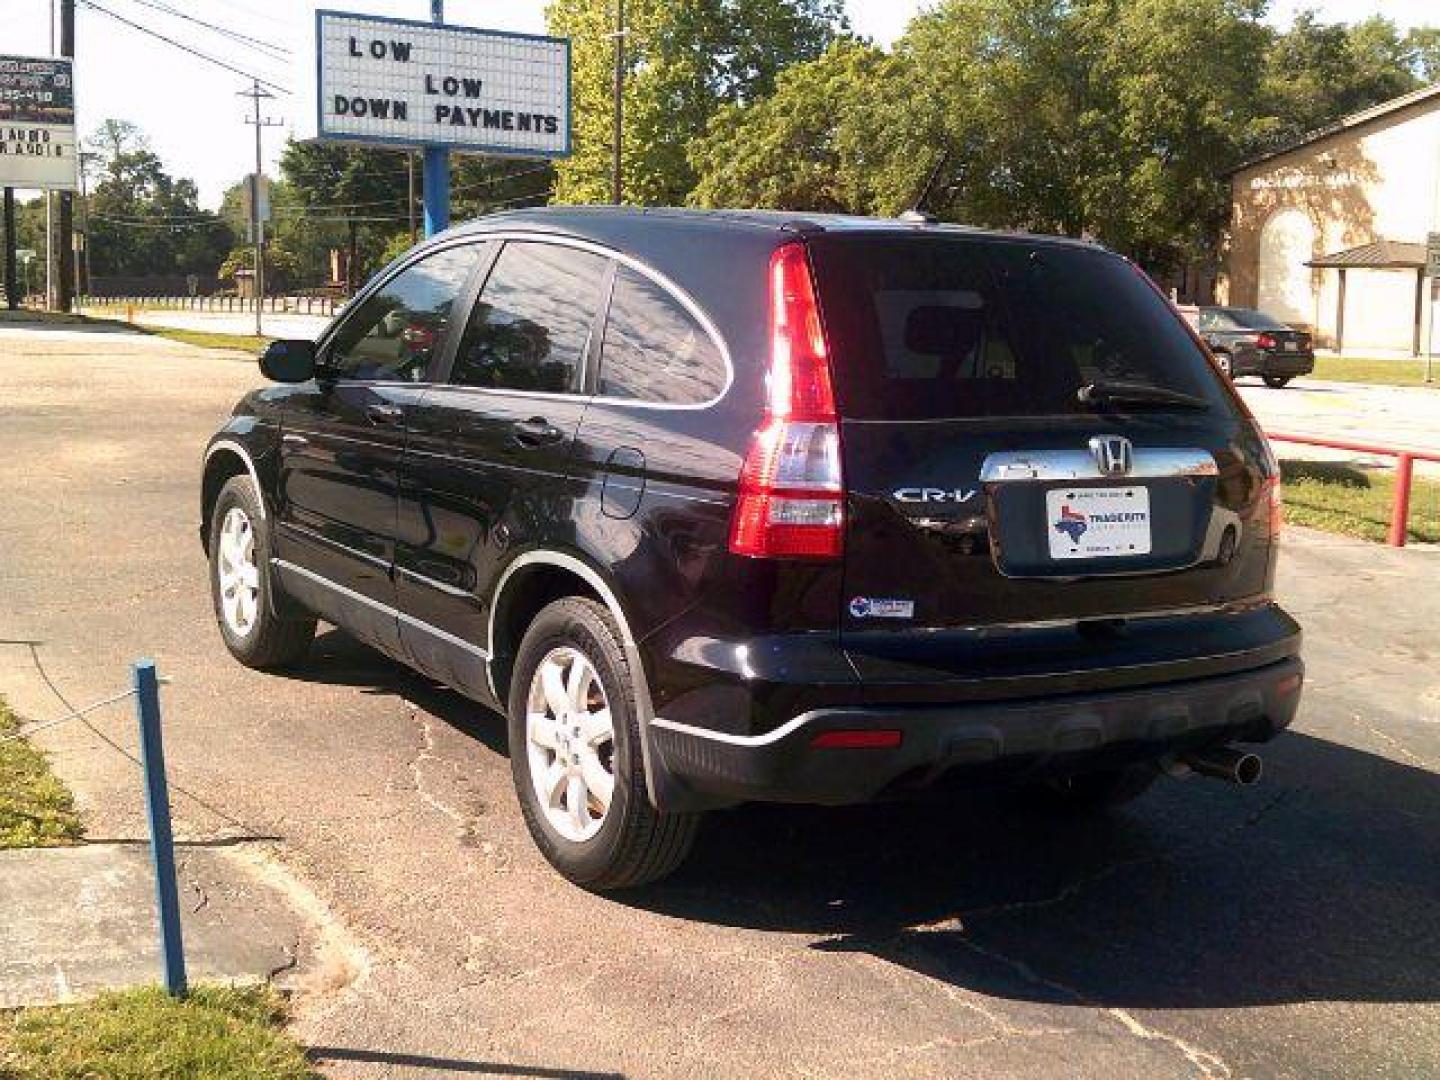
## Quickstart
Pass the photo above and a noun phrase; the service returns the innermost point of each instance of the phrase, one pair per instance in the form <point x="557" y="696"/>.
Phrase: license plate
<point x="1097" y="523"/>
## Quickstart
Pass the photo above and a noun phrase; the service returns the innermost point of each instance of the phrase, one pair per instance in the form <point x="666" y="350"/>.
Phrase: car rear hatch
<point x="1000" y="530"/>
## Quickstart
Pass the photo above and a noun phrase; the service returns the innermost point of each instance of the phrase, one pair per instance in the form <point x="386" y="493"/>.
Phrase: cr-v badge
<point x="937" y="495"/>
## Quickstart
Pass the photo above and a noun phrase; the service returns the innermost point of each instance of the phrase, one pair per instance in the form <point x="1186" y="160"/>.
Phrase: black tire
<point x="636" y="844"/>
<point x="1276" y="382"/>
<point x="273" y="640"/>
<point x="1226" y="363"/>
<point x="1097" y="791"/>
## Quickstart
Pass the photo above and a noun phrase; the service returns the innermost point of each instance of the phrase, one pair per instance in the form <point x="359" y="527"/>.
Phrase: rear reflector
<point x="791" y="502"/>
<point x="867" y="739"/>
<point x="1288" y="685"/>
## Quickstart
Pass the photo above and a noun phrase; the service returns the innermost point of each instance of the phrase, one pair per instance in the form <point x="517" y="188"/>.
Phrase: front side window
<point x="654" y="349"/>
<point x="532" y="321"/>
<point x="396" y="330"/>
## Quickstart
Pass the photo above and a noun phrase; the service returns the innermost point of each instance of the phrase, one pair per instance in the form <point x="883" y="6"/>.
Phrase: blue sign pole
<point x="157" y="809"/>
<point x="436" y="190"/>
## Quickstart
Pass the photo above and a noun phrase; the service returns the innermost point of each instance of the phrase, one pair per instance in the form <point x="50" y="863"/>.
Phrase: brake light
<point x="1266" y="341"/>
<point x="792" y="500"/>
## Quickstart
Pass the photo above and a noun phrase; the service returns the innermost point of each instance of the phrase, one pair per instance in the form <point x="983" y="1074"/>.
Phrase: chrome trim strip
<point x="386" y="609"/>
<point x="1012" y="466"/>
<point x="239" y="450"/>
<point x="735" y="740"/>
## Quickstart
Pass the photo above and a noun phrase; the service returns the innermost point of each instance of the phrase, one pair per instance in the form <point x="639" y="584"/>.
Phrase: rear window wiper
<point x="1114" y="392"/>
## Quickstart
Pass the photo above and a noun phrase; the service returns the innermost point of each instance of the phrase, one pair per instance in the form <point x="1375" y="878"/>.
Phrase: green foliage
<point x="282" y="267"/>
<point x="219" y="1033"/>
<point x="36" y="810"/>
<point x="141" y="220"/>
<point x="1116" y="119"/>
<point x="684" y="60"/>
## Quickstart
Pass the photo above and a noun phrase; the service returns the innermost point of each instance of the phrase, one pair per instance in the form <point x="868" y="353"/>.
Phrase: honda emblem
<point x="1114" y="455"/>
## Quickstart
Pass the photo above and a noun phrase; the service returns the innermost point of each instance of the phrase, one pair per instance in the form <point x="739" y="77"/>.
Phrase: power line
<point x="182" y="47"/>
<point x="235" y="35"/>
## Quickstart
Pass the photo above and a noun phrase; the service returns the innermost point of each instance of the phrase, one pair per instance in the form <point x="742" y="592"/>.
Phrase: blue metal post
<point x="157" y="809"/>
<point x="436" y="190"/>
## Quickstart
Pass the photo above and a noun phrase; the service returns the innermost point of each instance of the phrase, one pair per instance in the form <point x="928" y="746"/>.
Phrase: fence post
<point x="1404" y="474"/>
<point x="157" y="810"/>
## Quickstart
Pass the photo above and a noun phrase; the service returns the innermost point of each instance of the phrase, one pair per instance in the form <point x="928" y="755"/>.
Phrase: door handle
<point x="384" y="415"/>
<point x="537" y="431"/>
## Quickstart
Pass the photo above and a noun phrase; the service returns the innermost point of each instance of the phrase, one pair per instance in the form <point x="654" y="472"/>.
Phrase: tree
<point x="1317" y="72"/>
<point x="684" y="60"/>
<point x="838" y="134"/>
<point x="360" y="190"/>
<point x="142" y="221"/>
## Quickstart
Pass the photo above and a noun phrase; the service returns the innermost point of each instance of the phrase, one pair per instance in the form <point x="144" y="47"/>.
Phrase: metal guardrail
<point x="1405" y="458"/>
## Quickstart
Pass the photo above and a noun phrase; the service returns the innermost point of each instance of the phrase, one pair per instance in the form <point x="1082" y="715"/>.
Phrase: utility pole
<point x="12" y="281"/>
<point x="257" y="221"/>
<point x="410" y="194"/>
<point x="437" y="165"/>
<point x="65" y="286"/>
<point x="617" y="182"/>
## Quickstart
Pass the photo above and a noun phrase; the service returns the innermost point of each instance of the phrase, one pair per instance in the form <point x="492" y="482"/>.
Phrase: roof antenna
<point x="917" y="212"/>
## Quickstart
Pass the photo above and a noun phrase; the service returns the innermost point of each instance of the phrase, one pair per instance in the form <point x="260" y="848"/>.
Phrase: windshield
<point x="957" y="327"/>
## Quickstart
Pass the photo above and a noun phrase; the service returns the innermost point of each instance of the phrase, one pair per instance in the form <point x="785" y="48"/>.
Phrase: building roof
<point x="1354" y="120"/>
<point x="1381" y="255"/>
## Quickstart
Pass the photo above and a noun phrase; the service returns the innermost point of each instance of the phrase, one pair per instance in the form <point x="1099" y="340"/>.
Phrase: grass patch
<point x="1341" y="498"/>
<point x="216" y="1032"/>
<point x="247" y="343"/>
<point x="1359" y="369"/>
<point x="36" y="810"/>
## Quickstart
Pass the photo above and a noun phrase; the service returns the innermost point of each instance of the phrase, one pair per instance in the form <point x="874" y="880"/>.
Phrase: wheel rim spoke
<point x="237" y="574"/>
<point x="570" y="741"/>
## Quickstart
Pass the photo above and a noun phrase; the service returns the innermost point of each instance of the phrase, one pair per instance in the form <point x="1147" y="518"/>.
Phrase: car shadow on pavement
<point x="1323" y="883"/>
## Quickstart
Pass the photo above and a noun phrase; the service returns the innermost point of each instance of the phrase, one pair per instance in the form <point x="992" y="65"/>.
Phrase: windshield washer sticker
<point x="874" y="607"/>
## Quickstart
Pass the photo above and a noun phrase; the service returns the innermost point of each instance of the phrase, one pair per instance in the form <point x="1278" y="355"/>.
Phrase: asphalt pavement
<point x="1292" y="929"/>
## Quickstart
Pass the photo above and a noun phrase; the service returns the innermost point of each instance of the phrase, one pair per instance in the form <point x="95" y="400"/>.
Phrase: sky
<point x="189" y="108"/>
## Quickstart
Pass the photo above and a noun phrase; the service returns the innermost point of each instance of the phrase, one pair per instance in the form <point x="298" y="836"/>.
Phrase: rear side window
<point x="654" y="349"/>
<point x="942" y="327"/>
<point x="530" y="326"/>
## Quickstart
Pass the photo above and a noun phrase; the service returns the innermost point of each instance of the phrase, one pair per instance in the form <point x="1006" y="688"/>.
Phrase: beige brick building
<point x="1330" y="233"/>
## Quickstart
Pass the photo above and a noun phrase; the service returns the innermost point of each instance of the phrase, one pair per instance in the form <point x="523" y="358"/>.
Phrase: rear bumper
<point x="1285" y="365"/>
<point x="983" y="741"/>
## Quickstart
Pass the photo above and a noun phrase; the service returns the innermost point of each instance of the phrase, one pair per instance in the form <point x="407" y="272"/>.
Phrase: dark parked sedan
<point x="1249" y="342"/>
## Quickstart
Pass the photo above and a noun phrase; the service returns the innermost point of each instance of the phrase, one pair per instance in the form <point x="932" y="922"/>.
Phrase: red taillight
<point x="1266" y="341"/>
<point x="855" y="739"/>
<point x="791" y="502"/>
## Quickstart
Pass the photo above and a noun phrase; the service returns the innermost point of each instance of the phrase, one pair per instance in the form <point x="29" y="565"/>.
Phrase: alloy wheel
<point x="570" y="742"/>
<point x="239" y="576"/>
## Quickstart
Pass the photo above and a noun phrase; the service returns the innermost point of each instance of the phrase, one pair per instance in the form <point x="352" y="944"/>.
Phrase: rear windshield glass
<point x="944" y="327"/>
<point x="1239" y="318"/>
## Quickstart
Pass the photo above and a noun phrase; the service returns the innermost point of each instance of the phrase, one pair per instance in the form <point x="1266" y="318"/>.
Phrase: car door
<point x="487" y="467"/>
<point x="342" y="438"/>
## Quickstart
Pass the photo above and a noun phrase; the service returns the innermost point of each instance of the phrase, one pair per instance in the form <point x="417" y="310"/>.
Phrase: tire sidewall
<point x="578" y="625"/>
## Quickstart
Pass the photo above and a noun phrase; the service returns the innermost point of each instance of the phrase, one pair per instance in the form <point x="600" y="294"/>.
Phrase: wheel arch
<point x="224" y="459"/>
<point x="537" y="578"/>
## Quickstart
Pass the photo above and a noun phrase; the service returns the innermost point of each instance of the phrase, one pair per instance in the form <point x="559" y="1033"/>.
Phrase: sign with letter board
<point x="37" y="123"/>
<point x="399" y="82"/>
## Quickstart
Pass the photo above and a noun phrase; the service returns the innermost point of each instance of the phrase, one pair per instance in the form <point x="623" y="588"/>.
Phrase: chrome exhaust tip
<point x="1226" y="763"/>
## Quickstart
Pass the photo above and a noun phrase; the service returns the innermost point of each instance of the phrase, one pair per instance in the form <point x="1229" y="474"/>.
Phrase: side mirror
<point x="288" y="361"/>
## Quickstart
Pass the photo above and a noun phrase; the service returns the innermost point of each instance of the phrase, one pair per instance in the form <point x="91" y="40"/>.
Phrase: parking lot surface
<point x="1292" y="929"/>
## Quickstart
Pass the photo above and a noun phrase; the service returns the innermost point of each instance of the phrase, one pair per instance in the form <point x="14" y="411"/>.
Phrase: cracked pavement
<point x="1292" y="929"/>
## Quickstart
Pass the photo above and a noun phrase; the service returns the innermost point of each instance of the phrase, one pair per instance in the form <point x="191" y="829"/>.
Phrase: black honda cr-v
<point x="721" y="507"/>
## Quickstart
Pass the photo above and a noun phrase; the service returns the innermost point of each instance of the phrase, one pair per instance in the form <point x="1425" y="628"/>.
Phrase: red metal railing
<point x="1405" y="458"/>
